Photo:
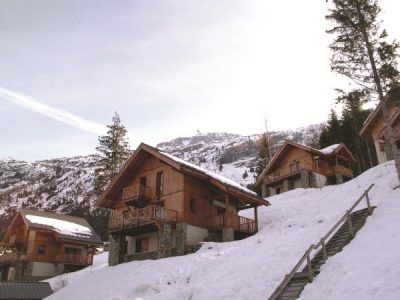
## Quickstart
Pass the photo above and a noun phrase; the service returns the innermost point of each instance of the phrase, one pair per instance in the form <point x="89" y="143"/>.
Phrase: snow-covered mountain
<point x="65" y="184"/>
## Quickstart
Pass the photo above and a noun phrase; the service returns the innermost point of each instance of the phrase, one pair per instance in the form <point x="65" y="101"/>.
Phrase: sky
<point x="169" y="68"/>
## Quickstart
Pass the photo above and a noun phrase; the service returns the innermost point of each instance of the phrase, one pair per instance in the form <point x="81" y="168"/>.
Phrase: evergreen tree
<point x="344" y="129"/>
<point x="362" y="53"/>
<point x="113" y="151"/>
<point x="353" y="117"/>
<point x="331" y="132"/>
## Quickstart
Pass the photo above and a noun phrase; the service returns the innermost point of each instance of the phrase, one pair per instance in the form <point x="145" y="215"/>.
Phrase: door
<point x="142" y="186"/>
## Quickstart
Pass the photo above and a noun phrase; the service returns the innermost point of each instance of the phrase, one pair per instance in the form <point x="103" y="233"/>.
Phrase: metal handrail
<point x="322" y="242"/>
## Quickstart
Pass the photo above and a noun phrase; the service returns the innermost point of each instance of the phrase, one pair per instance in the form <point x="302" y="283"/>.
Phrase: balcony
<point x="286" y="173"/>
<point x="137" y="195"/>
<point x="142" y="216"/>
<point x="235" y="222"/>
<point x="342" y="170"/>
<point x="74" y="259"/>
<point x="12" y="256"/>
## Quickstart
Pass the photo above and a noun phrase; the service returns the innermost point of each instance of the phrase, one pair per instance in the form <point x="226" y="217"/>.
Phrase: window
<point x="142" y="245"/>
<point x="159" y="184"/>
<point x="142" y="186"/>
<point x="192" y="205"/>
<point x="42" y="249"/>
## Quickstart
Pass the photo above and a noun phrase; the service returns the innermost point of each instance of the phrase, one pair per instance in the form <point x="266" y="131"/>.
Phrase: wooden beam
<point x="256" y="217"/>
<point x="227" y="210"/>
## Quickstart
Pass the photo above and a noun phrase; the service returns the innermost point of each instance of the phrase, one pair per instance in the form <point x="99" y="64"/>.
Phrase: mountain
<point x="65" y="184"/>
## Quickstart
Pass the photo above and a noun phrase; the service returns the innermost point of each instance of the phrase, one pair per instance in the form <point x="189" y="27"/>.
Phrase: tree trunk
<point x="389" y="136"/>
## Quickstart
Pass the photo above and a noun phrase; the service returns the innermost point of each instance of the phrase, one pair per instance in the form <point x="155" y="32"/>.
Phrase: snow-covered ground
<point x="368" y="268"/>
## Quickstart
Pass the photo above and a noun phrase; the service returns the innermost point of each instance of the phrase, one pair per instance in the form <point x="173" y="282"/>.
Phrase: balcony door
<point x="142" y="186"/>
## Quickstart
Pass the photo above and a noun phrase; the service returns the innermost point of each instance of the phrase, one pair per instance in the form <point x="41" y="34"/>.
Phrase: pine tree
<point x="113" y="151"/>
<point x="362" y="53"/>
<point x="331" y="132"/>
<point x="353" y="117"/>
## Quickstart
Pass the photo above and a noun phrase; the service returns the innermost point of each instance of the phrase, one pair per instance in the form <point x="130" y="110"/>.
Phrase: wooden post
<point x="310" y="273"/>
<point x="256" y="217"/>
<point x="227" y="221"/>
<point x="351" y="229"/>
<point x="324" y="248"/>
<point x="368" y="203"/>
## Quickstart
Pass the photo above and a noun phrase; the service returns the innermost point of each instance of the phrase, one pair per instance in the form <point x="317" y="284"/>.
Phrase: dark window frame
<point x="193" y="205"/>
<point x="159" y="184"/>
<point x="41" y="249"/>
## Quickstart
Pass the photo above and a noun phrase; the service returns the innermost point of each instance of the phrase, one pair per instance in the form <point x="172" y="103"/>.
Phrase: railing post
<point x="310" y="273"/>
<point x="368" y="203"/>
<point x="324" y="248"/>
<point x="351" y="229"/>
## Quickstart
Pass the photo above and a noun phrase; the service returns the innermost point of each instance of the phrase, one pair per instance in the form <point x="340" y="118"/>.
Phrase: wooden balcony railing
<point x="342" y="170"/>
<point x="9" y="257"/>
<point x="136" y="191"/>
<point x="74" y="259"/>
<point x="141" y="216"/>
<point x="233" y="221"/>
<point x="282" y="174"/>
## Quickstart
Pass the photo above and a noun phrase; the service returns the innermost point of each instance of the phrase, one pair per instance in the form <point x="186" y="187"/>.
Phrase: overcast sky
<point x="168" y="68"/>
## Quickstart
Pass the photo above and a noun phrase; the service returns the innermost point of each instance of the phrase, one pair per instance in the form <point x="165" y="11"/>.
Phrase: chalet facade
<point x="300" y="166"/>
<point x="163" y="206"/>
<point x="374" y="127"/>
<point x="39" y="245"/>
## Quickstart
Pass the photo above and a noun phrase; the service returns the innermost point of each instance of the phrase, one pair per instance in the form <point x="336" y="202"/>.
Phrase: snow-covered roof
<point x="66" y="227"/>
<point x="218" y="177"/>
<point x="63" y="227"/>
<point x="330" y="149"/>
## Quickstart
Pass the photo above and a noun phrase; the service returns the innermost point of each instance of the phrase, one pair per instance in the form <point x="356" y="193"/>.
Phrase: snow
<point x="368" y="268"/>
<point x="211" y="174"/>
<point x="61" y="226"/>
<point x="58" y="282"/>
<point x="330" y="149"/>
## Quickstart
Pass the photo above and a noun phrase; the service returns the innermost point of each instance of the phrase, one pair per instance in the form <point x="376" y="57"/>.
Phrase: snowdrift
<point x="368" y="268"/>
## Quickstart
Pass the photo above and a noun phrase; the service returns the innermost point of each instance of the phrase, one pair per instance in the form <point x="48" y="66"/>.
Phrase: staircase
<point x="333" y="242"/>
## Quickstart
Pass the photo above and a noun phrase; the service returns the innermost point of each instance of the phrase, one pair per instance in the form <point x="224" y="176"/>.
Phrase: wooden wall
<point x="173" y="191"/>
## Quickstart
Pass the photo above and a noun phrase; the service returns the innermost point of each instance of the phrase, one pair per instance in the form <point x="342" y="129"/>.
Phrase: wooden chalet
<point x="39" y="245"/>
<point x="300" y="166"/>
<point x="163" y="206"/>
<point x="375" y="129"/>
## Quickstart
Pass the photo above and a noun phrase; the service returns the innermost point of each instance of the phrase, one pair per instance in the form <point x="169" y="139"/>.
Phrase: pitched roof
<point x="394" y="93"/>
<point x="24" y="290"/>
<point x="65" y="227"/>
<point x="217" y="180"/>
<point x="325" y="152"/>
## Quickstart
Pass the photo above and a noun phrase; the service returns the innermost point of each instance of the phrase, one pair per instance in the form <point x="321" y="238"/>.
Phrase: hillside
<point x="65" y="184"/>
<point x="253" y="268"/>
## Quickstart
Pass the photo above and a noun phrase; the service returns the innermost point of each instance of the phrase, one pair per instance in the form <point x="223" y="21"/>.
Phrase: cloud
<point x="53" y="113"/>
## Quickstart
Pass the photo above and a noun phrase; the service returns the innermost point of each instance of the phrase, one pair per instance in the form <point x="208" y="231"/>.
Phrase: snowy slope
<point x="253" y="268"/>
